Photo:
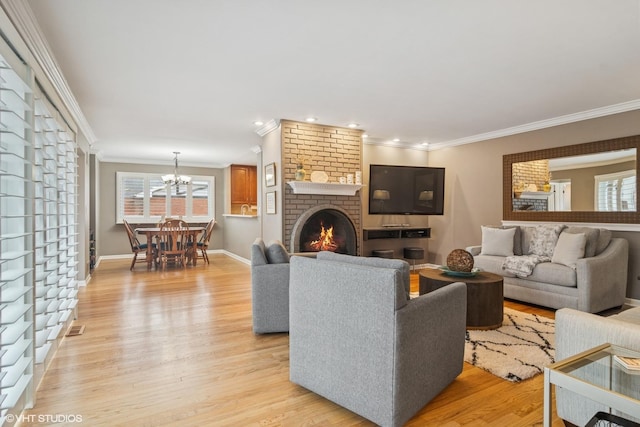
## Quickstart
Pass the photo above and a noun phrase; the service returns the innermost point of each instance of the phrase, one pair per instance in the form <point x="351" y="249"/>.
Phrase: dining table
<point x="152" y="232"/>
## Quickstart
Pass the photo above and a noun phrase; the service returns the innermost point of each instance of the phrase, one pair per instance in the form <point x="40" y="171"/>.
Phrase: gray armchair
<point x="269" y="287"/>
<point x="356" y="339"/>
<point x="577" y="332"/>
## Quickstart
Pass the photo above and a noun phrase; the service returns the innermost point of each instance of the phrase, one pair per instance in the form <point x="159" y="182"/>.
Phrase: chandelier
<point x="176" y="179"/>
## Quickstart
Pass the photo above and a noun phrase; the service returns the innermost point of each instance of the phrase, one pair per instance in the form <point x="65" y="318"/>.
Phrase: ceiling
<point x="157" y="76"/>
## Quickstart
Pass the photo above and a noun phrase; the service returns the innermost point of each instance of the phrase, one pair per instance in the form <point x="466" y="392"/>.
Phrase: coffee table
<point x="595" y="375"/>
<point x="485" y="295"/>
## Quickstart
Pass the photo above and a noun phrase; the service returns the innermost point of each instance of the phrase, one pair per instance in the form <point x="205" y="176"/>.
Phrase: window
<point x="143" y="197"/>
<point x="616" y="192"/>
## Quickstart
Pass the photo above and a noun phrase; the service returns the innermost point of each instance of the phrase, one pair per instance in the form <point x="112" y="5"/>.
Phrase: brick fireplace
<point x="333" y="150"/>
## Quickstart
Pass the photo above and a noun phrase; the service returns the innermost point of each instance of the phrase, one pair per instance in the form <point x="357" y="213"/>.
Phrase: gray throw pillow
<point x="276" y="253"/>
<point x="603" y="240"/>
<point x="258" y="255"/>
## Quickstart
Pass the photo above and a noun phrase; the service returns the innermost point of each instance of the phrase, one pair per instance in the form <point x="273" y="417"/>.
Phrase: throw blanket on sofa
<point x="523" y="265"/>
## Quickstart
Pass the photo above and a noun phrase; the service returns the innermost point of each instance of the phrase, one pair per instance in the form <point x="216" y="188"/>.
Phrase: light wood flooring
<point x="175" y="348"/>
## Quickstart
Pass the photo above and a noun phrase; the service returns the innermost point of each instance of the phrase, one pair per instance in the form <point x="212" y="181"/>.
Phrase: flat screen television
<point x="407" y="190"/>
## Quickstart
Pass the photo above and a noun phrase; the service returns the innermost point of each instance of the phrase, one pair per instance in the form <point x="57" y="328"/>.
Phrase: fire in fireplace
<point x="328" y="230"/>
<point x="324" y="242"/>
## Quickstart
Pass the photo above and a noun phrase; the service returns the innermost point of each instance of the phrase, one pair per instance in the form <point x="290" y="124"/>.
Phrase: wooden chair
<point x="136" y="247"/>
<point x="203" y="244"/>
<point x="173" y="243"/>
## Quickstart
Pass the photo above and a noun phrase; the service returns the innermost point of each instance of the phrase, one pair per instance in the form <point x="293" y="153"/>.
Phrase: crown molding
<point x="268" y="127"/>
<point x="26" y="25"/>
<point x="114" y="159"/>
<point x="542" y="124"/>
<point x="402" y="145"/>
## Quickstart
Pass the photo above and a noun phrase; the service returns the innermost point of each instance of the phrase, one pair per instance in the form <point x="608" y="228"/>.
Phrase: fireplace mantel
<point x="336" y="189"/>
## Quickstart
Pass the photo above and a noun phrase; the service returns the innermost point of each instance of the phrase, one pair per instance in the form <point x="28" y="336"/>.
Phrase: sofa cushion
<point x="492" y="264"/>
<point x="592" y="235"/>
<point x="497" y="241"/>
<point x="603" y="240"/>
<point x="544" y="240"/>
<point x="276" y="253"/>
<point x="554" y="274"/>
<point x="570" y="248"/>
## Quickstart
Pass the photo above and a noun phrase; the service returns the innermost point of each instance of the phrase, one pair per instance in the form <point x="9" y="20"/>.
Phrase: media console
<point x="394" y="238"/>
<point x="395" y="233"/>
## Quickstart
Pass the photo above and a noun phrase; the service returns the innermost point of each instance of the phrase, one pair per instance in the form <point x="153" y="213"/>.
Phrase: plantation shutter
<point x="616" y="192"/>
<point x="16" y="237"/>
<point x="55" y="227"/>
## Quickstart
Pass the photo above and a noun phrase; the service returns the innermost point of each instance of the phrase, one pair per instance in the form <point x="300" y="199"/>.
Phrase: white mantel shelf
<point x="535" y="194"/>
<point x="330" y="188"/>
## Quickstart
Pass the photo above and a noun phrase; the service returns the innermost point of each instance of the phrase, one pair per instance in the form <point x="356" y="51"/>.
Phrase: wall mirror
<point x="595" y="182"/>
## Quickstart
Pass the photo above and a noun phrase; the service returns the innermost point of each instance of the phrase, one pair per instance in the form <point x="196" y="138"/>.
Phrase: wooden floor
<point x="176" y="348"/>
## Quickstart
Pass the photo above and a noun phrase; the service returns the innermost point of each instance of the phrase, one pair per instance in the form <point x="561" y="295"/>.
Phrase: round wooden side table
<point x="485" y="295"/>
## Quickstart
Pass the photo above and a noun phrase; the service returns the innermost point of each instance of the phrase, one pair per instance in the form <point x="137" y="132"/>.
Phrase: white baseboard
<point x="234" y="256"/>
<point x="212" y="251"/>
<point x="632" y="302"/>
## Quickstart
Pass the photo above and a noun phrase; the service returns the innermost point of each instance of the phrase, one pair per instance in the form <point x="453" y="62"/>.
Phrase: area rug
<point x="518" y="350"/>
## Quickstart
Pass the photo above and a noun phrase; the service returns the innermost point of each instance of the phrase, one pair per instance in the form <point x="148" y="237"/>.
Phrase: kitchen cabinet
<point x="244" y="185"/>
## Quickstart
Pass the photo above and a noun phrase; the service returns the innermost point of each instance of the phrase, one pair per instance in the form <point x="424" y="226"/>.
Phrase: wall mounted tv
<point x="407" y="190"/>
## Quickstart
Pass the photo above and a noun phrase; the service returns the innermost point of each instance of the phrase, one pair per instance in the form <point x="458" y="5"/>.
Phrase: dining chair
<point x="173" y="243"/>
<point x="203" y="244"/>
<point x="136" y="247"/>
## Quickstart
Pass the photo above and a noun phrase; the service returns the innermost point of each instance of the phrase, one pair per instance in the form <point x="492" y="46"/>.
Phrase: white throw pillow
<point x="569" y="249"/>
<point x="497" y="241"/>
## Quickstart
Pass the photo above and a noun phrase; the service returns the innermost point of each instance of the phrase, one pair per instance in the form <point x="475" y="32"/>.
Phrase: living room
<point x="472" y="156"/>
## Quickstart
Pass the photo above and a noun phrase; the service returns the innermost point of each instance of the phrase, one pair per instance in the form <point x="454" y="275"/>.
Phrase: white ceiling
<point x="157" y="76"/>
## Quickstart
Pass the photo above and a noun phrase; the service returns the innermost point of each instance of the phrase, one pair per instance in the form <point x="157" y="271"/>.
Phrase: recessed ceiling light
<point x="310" y="119"/>
<point x="425" y="144"/>
<point x="396" y="139"/>
<point x="353" y="125"/>
<point x="258" y="123"/>
<point x="364" y="135"/>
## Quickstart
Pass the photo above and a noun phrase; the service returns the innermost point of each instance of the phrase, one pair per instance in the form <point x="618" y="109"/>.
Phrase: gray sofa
<point x="596" y="282"/>
<point x="356" y="339"/>
<point x="269" y="287"/>
<point x="577" y="332"/>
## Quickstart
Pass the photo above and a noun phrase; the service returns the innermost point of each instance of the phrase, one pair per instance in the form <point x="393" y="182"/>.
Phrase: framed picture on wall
<point x="270" y="202"/>
<point x="270" y="174"/>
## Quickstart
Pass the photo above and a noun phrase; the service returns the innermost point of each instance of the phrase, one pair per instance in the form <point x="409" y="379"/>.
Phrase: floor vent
<point x="75" y="330"/>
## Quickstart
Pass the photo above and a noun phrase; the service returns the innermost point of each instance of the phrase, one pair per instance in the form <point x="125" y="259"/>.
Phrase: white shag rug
<point x="518" y="350"/>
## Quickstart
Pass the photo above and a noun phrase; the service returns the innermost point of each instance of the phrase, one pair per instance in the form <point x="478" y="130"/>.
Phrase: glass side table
<point x="595" y="375"/>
